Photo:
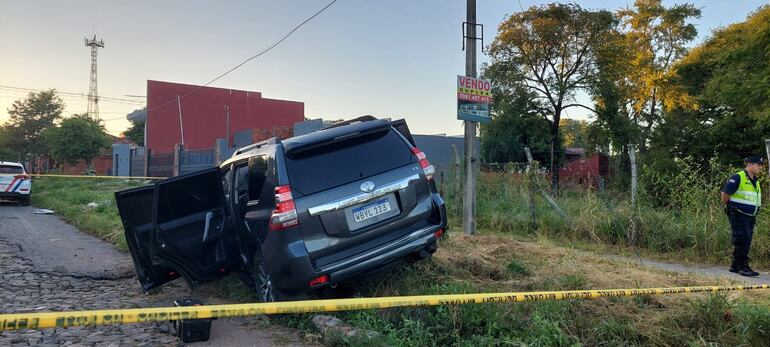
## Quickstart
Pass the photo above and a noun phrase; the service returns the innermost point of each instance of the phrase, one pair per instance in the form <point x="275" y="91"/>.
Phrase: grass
<point x="68" y="197"/>
<point x="695" y="230"/>
<point x="508" y="255"/>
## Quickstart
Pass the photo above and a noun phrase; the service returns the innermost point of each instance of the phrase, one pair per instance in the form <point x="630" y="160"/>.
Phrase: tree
<point x="575" y="133"/>
<point x="719" y="95"/>
<point x="29" y="117"/>
<point x="77" y="138"/>
<point x="135" y="132"/>
<point x="515" y="123"/>
<point x="657" y="37"/>
<point x="550" y="49"/>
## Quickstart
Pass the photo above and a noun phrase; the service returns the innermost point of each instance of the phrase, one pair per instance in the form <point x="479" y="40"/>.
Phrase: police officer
<point x="742" y="197"/>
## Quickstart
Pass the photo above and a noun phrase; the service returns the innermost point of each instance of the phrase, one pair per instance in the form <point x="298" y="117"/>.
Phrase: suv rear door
<point x="185" y="231"/>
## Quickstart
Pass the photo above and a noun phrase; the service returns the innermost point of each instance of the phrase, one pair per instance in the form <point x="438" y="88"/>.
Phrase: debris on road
<point x="332" y="327"/>
<point x="43" y="211"/>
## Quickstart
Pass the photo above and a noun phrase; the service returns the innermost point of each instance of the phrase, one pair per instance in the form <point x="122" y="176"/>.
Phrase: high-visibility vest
<point x="747" y="198"/>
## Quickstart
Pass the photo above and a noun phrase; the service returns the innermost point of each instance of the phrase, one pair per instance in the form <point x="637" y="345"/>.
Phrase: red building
<point x="585" y="171"/>
<point x="204" y="115"/>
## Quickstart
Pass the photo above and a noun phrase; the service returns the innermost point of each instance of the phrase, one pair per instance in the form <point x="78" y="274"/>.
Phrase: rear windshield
<point x="11" y="169"/>
<point x="346" y="161"/>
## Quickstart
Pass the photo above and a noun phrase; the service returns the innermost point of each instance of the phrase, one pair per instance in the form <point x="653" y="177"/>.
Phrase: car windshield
<point x="11" y="169"/>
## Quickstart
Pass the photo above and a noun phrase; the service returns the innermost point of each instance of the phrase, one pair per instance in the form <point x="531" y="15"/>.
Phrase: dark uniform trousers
<point x="743" y="230"/>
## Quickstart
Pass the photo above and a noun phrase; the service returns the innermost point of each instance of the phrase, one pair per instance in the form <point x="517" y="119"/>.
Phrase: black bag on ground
<point x="191" y="330"/>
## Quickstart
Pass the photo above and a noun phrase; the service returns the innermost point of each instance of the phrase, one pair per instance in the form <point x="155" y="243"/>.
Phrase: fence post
<point x="458" y="177"/>
<point x="217" y="153"/>
<point x="632" y="158"/>
<point x="767" y="148"/>
<point x="633" y="237"/>
<point x="178" y="149"/>
<point x="530" y="173"/>
<point x="147" y="156"/>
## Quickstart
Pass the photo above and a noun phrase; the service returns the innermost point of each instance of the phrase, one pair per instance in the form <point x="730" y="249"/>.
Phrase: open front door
<point x="178" y="227"/>
<point x="193" y="231"/>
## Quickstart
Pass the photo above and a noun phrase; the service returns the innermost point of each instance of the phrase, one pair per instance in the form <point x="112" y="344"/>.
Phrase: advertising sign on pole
<point x="473" y="99"/>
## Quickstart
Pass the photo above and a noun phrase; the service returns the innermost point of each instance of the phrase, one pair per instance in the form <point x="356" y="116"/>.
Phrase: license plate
<point x="372" y="210"/>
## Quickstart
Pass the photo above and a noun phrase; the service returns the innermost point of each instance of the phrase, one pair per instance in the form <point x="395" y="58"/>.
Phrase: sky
<point x="396" y="58"/>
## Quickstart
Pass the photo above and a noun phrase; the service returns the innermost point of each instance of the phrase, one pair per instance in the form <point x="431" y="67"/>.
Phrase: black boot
<point x="746" y="270"/>
<point x="736" y="266"/>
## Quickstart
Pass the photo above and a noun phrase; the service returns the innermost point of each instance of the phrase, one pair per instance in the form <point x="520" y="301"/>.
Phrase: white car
<point x="14" y="182"/>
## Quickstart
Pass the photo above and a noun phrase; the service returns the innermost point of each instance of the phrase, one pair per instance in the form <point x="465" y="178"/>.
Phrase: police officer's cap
<point x="754" y="160"/>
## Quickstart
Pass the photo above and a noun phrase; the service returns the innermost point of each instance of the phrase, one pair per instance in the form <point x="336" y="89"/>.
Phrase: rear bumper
<point x="422" y="239"/>
<point x="14" y="195"/>
<point x="292" y="269"/>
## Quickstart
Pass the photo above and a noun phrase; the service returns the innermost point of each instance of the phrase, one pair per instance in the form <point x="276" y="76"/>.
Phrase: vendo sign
<point x="473" y="98"/>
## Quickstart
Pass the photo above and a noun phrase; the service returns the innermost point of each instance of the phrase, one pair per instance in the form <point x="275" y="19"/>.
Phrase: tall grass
<point x="677" y="214"/>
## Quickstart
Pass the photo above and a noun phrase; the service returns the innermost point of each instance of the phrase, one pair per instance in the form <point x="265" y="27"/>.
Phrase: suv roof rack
<point x="270" y="141"/>
<point x="361" y="119"/>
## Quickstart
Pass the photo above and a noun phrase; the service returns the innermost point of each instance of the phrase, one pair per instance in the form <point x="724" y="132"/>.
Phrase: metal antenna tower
<point x="93" y="94"/>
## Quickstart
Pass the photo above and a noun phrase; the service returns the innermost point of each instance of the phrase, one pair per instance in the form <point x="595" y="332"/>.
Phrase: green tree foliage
<point x="135" y="132"/>
<point x="77" y="138"/>
<point x="550" y="50"/>
<point x="720" y="96"/>
<point x="575" y="133"/>
<point x="29" y="117"/>
<point x="515" y="125"/>
<point x="656" y="38"/>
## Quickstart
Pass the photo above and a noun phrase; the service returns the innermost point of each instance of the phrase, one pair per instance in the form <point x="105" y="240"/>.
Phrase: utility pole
<point x="181" y="127"/>
<point x="469" y="206"/>
<point x="227" y="125"/>
<point x="767" y="148"/>
<point x="93" y="93"/>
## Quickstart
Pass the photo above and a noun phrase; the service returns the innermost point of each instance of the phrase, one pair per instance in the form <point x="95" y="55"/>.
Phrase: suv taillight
<point x="285" y="214"/>
<point x="427" y="168"/>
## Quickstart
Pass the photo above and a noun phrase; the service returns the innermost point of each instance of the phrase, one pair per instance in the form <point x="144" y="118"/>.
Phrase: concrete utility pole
<point x="227" y="126"/>
<point x="632" y="157"/>
<point x="181" y="126"/>
<point x="469" y="206"/>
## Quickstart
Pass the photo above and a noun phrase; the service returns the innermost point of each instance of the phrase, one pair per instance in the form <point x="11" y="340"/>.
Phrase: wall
<point x="203" y="114"/>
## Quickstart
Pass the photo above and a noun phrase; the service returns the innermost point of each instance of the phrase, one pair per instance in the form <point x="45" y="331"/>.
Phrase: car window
<point x="184" y="197"/>
<point x="257" y="176"/>
<point x="11" y="169"/>
<point x="346" y="161"/>
<point x="242" y="178"/>
<point x="227" y="182"/>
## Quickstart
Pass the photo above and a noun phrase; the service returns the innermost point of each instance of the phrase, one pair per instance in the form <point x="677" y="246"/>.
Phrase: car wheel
<point x="25" y="201"/>
<point x="262" y="281"/>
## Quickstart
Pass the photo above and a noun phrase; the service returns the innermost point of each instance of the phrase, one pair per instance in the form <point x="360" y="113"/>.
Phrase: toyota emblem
<point x="367" y="186"/>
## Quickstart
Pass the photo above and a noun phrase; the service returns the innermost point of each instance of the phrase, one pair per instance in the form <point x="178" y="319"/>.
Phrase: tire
<point x="263" y="283"/>
<point x="24" y="201"/>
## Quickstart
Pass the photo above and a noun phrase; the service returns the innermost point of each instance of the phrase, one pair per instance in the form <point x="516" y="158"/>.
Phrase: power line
<point x="286" y="36"/>
<point x="62" y="93"/>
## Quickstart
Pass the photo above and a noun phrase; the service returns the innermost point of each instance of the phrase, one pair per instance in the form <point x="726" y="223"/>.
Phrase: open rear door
<point x="179" y="227"/>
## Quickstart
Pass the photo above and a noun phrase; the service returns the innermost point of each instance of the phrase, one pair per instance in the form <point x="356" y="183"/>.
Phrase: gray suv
<point x="300" y="214"/>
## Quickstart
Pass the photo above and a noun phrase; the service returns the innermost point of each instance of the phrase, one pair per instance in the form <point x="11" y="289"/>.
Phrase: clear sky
<point x="396" y="58"/>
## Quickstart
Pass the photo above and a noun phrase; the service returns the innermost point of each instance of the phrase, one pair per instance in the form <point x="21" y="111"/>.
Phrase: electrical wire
<point x="286" y="36"/>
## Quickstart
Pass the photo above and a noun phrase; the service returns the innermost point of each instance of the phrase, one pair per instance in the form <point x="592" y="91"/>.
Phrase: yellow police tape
<point x="140" y="315"/>
<point x="89" y="176"/>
